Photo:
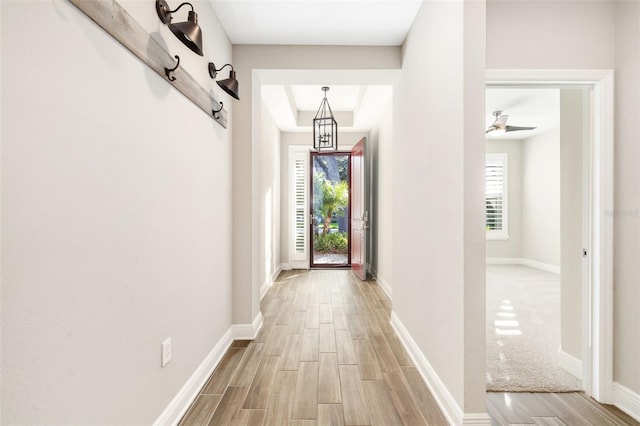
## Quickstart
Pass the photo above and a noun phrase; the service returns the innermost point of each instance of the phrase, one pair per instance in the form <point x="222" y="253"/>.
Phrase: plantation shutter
<point x="300" y="203"/>
<point x="298" y="206"/>
<point x="496" y="195"/>
<point x="494" y="182"/>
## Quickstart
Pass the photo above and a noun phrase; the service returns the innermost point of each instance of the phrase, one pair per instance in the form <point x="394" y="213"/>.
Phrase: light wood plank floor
<point x="572" y="408"/>
<point x="327" y="355"/>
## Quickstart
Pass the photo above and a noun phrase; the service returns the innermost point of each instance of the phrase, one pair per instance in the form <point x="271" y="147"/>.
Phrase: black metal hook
<point x="168" y="71"/>
<point x="216" y="111"/>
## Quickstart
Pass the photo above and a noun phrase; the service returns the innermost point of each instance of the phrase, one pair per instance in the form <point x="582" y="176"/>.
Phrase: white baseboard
<point x="626" y="400"/>
<point x="296" y="264"/>
<point x="264" y="288"/>
<point x="447" y="403"/>
<point x="247" y="331"/>
<point x="570" y="364"/>
<point x="523" y="261"/>
<point x="384" y="285"/>
<point x="476" y="419"/>
<point x="504" y="261"/>
<point x="543" y="266"/>
<point x="185" y="397"/>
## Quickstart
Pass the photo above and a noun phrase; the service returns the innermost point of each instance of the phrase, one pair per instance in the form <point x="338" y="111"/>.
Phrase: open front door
<point x="359" y="214"/>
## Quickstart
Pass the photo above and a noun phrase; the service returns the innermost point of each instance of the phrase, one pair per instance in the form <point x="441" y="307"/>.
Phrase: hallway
<point x="326" y="355"/>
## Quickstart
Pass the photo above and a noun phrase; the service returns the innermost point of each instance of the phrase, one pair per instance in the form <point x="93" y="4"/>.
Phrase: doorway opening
<point x="593" y="303"/>
<point x="533" y="222"/>
<point x="330" y="209"/>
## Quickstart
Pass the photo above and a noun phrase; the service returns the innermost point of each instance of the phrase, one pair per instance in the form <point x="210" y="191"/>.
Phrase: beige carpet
<point x="523" y="331"/>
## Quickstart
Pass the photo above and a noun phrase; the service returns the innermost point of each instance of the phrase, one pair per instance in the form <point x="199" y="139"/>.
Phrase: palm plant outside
<point x="329" y="198"/>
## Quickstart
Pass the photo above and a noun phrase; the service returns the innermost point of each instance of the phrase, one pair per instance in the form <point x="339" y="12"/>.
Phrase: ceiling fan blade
<point x="491" y="129"/>
<point x="516" y="128"/>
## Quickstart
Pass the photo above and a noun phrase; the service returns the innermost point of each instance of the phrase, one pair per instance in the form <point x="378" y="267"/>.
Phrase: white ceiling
<point x="316" y="22"/>
<point x="320" y="22"/>
<point x="293" y="107"/>
<point x="529" y="107"/>
<point x="357" y="22"/>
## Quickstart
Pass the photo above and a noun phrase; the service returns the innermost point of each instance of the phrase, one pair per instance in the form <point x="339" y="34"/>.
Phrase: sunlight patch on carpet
<point x="523" y="331"/>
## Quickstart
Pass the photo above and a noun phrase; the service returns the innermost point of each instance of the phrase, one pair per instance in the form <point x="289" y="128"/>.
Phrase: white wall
<point x="626" y="214"/>
<point x="269" y="193"/>
<point x="438" y="196"/>
<point x="572" y="138"/>
<point x="512" y="247"/>
<point x="116" y="219"/>
<point x="381" y="216"/>
<point x="541" y="198"/>
<point x="591" y="35"/>
<point x="534" y="198"/>
<point x="549" y="34"/>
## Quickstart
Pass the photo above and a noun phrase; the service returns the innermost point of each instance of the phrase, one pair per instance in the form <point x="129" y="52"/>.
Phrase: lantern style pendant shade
<point x="188" y="32"/>
<point x="325" y="127"/>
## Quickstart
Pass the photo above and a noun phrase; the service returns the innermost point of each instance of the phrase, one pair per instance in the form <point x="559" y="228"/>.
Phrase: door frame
<point x="597" y="283"/>
<point x="313" y="154"/>
<point x="359" y="225"/>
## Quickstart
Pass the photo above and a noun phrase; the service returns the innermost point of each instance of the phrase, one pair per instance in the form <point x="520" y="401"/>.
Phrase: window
<point x="496" y="200"/>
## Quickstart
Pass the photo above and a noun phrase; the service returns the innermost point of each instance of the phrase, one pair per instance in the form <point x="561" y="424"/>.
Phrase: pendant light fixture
<point x="188" y="32"/>
<point x="325" y="127"/>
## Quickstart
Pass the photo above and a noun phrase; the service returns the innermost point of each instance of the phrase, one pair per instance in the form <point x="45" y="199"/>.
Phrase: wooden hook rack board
<point x="120" y="25"/>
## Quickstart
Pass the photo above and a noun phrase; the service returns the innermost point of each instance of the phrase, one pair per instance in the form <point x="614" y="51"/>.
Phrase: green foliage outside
<point x="335" y="242"/>
<point x="341" y="161"/>
<point x="329" y="198"/>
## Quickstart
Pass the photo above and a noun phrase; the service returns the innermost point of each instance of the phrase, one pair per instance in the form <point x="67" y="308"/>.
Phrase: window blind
<point x="495" y="185"/>
<point x="300" y="202"/>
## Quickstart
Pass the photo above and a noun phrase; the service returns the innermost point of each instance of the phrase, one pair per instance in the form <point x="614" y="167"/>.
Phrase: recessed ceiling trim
<point x="359" y="100"/>
<point x="292" y="101"/>
<point x="376" y="100"/>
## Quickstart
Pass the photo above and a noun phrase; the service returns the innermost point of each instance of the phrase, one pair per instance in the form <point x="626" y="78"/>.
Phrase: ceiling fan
<point x="499" y="126"/>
